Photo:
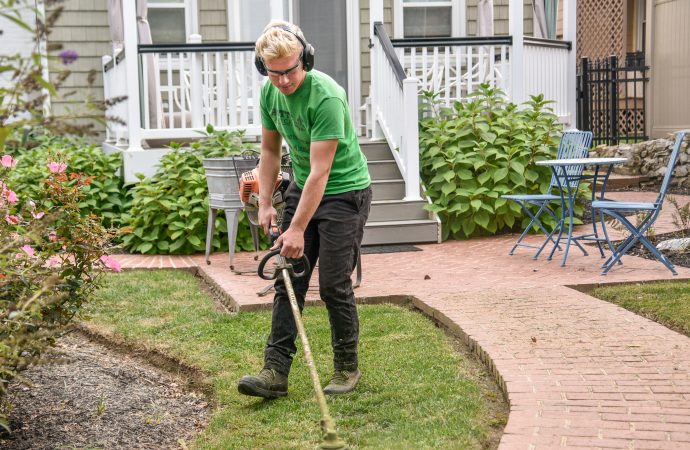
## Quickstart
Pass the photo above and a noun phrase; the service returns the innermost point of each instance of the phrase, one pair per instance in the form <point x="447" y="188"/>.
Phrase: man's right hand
<point x="267" y="217"/>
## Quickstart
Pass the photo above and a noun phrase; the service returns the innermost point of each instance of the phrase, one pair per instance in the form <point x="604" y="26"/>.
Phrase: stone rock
<point x="674" y="245"/>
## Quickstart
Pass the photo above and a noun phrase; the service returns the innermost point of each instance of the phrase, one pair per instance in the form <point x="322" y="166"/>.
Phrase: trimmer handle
<point x="283" y="263"/>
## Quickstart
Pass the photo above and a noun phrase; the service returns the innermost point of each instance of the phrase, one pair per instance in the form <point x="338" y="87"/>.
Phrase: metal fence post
<point x="613" y="110"/>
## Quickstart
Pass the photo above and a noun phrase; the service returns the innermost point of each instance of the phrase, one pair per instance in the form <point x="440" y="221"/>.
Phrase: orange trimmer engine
<point x="249" y="183"/>
<point x="249" y="193"/>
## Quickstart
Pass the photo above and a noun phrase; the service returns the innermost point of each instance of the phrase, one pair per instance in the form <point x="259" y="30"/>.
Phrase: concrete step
<point x="391" y="210"/>
<point x="375" y="150"/>
<point x="401" y="232"/>
<point x="388" y="189"/>
<point x="385" y="169"/>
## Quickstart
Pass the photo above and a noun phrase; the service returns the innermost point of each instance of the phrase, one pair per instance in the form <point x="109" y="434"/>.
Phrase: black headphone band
<point x="307" y="55"/>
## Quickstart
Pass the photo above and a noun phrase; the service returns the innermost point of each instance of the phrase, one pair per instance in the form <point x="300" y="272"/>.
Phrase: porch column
<point x="129" y="17"/>
<point x="570" y="34"/>
<point x="375" y="15"/>
<point x="517" y="55"/>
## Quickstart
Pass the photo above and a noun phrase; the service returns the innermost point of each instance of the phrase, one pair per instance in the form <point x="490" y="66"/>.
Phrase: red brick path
<point x="578" y="372"/>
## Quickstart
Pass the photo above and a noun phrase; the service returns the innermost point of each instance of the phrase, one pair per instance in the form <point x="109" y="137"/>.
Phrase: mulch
<point x="89" y="396"/>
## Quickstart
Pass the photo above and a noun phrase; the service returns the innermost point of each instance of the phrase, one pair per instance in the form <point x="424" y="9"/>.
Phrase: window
<point x="431" y="18"/>
<point x="247" y="18"/>
<point x="169" y="21"/>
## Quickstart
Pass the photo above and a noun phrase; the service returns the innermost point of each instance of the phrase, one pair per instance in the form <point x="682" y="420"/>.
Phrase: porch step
<point x="384" y="169"/>
<point x="388" y="189"/>
<point x="389" y="210"/>
<point x="401" y="232"/>
<point x="617" y="181"/>
<point x="375" y="150"/>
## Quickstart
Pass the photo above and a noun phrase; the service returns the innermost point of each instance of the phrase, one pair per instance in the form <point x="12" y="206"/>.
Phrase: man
<point x="327" y="203"/>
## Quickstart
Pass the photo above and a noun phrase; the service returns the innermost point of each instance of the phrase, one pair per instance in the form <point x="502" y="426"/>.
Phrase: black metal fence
<point x="611" y="99"/>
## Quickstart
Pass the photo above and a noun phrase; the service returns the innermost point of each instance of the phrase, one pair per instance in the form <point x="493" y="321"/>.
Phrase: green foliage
<point x="50" y="258"/>
<point x="169" y="211"/>
<point x="475" y="152"/>
<point x="104" y="192"/>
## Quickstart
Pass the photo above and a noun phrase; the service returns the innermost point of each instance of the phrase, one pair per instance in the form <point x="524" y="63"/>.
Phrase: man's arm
<point x="321" y="154"/>
<point x="269" y="166"/>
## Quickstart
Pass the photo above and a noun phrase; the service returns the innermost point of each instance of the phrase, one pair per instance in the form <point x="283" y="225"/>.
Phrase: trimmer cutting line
<point x="285" y="270"/>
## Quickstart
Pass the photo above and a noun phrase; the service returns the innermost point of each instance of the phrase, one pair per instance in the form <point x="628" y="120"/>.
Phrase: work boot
<point x="342" y="382"/>
<point x="268" y="384"/>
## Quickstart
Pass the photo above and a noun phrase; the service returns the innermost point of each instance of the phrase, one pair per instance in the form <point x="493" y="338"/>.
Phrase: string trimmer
<point x="285" y="270"/>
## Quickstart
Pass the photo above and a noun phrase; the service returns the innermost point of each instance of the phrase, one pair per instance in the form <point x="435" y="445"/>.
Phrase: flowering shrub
<point x="105" y="195"/>
<point x="51" y="256"/>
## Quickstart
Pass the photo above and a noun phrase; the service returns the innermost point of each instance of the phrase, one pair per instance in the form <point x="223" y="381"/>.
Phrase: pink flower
<point x="53" y="261"/>
<point x="11" y="196"/>
<point x="111" y="263"/>
<point x="52" y="236"/>
<point x="57" y="167"/>
<point x="32" y="204"/>
<point x="38" y="215"/>
<point x="8" y="161"/>
<point x="12" y="220"/>
<point x="28" y="250"/>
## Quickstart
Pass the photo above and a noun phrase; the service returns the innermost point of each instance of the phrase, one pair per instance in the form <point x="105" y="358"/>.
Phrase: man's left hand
<point x="291" y="243"/>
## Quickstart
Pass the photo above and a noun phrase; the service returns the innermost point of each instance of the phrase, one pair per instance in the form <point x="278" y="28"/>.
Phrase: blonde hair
<point x="275" y="42"/>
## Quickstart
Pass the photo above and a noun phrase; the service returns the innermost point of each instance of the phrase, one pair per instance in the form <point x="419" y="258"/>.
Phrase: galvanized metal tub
<point x="222" y="177"/>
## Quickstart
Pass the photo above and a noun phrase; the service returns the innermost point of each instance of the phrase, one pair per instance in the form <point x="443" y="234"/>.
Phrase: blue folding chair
<point x="649" y="212"/>
<point x="573" y="144"/>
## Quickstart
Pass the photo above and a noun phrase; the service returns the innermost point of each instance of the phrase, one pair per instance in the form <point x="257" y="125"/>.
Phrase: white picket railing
<point x="455" y="67"/>
<point x="394" y="108"/>
<point x="546" y="72"/>
<point x="199" y="84"/>
<point x="115" y="95"/>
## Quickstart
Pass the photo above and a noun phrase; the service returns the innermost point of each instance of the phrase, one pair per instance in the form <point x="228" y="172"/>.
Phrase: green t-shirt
<point x="317" y="111"/>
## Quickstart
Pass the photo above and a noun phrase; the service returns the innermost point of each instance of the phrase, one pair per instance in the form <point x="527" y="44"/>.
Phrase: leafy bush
<point x="51" y="256"/>
<point x="105" y="195"/>
<point x="475" y="152"/>
<point x="170" y="210"/>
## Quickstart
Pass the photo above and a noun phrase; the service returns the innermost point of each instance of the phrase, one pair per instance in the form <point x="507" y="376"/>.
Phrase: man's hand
<point x="267" y="217"/>
<point x="291" y="243"/>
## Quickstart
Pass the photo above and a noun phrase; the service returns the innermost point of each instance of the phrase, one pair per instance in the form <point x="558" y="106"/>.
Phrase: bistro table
<point x="567" y="171"/>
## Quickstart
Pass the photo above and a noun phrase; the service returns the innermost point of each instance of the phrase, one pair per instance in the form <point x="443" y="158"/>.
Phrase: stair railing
<point x="394" y="109"/>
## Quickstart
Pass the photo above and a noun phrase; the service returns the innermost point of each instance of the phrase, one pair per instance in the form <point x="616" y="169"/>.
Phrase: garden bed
<point x="89" y="396"/>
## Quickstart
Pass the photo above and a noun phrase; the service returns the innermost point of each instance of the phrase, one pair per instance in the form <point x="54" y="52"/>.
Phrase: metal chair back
<point x="574" y="144"/>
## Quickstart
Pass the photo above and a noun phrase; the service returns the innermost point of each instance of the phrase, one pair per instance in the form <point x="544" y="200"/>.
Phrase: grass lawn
<point x="667" y="303"/>
<point x="417" y="390"/>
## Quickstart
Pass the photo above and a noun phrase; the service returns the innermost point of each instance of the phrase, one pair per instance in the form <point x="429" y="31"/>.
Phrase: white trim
<point x="191" y="15"/>
<point x="353" y="66"/>
<point x="458" y="15"/>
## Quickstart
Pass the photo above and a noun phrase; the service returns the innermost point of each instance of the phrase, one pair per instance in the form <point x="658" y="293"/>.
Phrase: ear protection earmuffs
<point x="307" y="53"/>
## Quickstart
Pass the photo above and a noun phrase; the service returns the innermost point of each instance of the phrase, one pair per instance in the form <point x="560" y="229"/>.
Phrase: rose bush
<point x="51" y="256"/>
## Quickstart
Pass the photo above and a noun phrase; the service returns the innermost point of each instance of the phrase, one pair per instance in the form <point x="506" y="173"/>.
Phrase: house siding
<point x="82" y="27"/>
<point x="16" y="39"/>
<point x="213" y="18"/>
<point x="500" y="17"/>
<point x="670" y="67"/>
<point x="364" y="35"/>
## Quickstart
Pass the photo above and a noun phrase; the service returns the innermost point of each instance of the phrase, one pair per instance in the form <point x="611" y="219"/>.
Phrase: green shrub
<point x="50" y="258"/>
<point x="169" y="211"/>
<point x="104" y="192"/>
<point x="475" y="152"/>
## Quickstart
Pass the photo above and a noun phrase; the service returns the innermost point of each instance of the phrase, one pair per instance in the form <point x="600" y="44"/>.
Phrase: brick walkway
<point x="578" y="372"/>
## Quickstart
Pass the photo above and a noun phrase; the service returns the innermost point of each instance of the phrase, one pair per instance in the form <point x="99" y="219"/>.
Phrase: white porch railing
<point x="546" y="72"/>
<point x="115" y="87"/>
<point x="455" y="67"/>
<point x="198" y="84"/>
<point x="394" y="108"/>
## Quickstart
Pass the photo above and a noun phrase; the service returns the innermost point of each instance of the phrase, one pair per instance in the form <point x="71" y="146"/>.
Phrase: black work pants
<point x="332" y="237"/>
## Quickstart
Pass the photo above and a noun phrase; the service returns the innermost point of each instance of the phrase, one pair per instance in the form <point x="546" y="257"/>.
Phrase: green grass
<point x="416" y="392"/>
<point x="667" y="303"/>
